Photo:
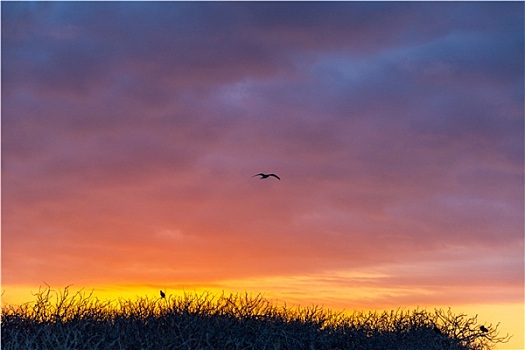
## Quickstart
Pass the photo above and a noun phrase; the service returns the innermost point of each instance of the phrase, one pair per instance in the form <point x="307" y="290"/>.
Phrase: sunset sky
<point x="131" y="131"/>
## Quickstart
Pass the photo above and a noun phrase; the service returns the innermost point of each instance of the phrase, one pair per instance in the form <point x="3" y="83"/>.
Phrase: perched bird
<point x="162" y="295"/>
<point x="483" y="329"/>
<point x="265" y="176"/>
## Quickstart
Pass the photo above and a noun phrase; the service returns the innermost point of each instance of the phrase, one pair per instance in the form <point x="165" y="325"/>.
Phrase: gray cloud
<point x="395" y="127"/>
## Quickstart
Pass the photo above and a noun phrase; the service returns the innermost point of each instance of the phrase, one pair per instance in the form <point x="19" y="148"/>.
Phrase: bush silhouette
<point x="61" y="320"/>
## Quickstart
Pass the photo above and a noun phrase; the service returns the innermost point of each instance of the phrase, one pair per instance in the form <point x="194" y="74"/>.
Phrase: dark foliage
<point x="58" y="320"/>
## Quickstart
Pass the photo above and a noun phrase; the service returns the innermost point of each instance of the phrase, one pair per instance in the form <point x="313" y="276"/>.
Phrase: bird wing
<point x="260" y="174"/>
<point x="278" y="178"/>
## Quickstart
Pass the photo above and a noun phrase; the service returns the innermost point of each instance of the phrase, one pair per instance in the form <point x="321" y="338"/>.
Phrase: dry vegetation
<point x="64" y="320"/>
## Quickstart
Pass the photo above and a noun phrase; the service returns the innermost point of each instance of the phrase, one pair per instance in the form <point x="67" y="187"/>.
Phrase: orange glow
<point x="129" y="145"/>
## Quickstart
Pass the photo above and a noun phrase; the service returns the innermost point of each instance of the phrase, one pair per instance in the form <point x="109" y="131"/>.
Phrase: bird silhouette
<point x="265" y="176"/>
<point x="483" y="329"/>
<point x="162" y="295"/>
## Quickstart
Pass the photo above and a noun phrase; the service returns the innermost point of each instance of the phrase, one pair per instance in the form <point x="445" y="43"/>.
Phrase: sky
<point x="131" y="131"/>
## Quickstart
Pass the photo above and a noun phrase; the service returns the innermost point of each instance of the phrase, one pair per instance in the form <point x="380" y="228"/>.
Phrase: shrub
<point x="60" y="320"/>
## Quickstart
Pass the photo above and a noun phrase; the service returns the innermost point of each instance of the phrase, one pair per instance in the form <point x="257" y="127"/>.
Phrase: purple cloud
<point x="396" y="128"/>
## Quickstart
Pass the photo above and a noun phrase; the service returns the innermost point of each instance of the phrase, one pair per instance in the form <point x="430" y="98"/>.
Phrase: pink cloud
<point x="129" y="143"/>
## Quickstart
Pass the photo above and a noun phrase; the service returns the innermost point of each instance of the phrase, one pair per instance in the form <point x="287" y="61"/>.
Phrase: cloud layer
<point x="130" y="132"/>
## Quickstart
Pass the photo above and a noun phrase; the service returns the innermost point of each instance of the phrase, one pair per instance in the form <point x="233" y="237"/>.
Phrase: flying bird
<point x="162" y="295"/>
<point x="265" y="176"/>
<point x="483" y="329"/>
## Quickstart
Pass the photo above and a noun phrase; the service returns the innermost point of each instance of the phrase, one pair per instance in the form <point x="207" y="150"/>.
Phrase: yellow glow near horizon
<point x="509" y="315"/>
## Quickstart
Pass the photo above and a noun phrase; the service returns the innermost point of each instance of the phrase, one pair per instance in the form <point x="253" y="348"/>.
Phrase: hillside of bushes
<point x="65" y="320"/>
